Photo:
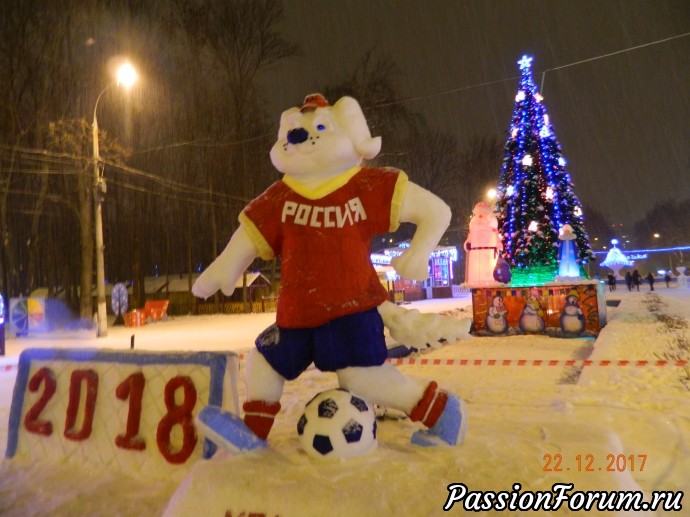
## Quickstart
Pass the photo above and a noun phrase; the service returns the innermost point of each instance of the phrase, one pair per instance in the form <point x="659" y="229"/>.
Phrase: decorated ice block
<point x="128" y="410"/>
<point x="558" y="310"/>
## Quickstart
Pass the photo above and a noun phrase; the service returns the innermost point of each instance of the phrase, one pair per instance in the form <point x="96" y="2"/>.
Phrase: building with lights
<point x="439" y="284"/>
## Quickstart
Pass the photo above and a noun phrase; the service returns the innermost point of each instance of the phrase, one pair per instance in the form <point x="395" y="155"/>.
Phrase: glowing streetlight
<point x="656" y="235"/>
<point x="491" y="194"/>
<point x="126" y="77"/>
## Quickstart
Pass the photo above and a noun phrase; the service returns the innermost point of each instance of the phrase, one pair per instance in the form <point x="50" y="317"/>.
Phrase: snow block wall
<point x="133" y="411"/>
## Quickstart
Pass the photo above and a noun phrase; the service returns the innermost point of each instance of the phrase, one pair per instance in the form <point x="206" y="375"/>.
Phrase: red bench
<point x="156" y="310"/>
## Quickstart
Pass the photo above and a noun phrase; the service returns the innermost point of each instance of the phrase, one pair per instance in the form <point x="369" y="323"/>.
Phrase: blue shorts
<point x="352" y="340"/>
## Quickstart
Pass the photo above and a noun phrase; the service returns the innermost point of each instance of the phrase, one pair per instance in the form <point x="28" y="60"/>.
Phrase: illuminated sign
<point x="384" y="258"/>
<point x="451" y="253"/>
<point x="380" y="259"/>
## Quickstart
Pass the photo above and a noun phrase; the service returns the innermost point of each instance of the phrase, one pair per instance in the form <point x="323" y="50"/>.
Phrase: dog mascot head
<point x="317" y="138"/>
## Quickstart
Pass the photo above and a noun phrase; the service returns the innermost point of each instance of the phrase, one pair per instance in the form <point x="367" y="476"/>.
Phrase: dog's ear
<point x="351" y="118"/>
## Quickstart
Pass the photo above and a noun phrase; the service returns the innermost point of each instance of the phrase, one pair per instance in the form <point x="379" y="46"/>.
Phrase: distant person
<point x="612" y="282"/>
<point x="667" y="278"/>
<point x="628" y="280"/>
<point x="636" y="279"/>
<point x="650" y="279"/>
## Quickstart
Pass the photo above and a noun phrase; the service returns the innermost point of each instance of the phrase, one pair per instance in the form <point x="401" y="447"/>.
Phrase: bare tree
<point x="598" y="226"/>
<point x="664" y="225"/>
<point x="73" y="137"/>
<point x="374" y="82"/>
<point x="480" y="164"/>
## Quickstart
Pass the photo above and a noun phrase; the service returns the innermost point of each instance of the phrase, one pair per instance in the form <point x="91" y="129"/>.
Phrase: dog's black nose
<point x="297" y="135"/>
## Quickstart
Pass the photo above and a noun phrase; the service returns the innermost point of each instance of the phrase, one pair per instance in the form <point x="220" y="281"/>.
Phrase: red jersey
<point x="323" y="237"/>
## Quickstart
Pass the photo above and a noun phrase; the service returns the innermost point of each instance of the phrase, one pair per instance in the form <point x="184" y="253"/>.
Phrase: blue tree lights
<point x="536" y="196"/>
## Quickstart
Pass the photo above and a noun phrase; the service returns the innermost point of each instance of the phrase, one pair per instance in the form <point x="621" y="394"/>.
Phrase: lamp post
<point x="126" y="76"/>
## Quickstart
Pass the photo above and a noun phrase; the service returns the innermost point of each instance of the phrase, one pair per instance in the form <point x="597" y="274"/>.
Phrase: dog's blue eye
<point x="320" y="127"/>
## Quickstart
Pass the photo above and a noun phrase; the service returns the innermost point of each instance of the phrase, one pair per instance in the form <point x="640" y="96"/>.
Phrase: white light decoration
<point x="577" y="211"/>
<point x="533" y="226"/>
<point x="614" y="241"/>
<point x="520" y="96"/>
<point x="561" y="161"/>
<point x="549" y="193"/>
<point x="510" y="190"/>
<point x="126" y="76"/>
<point x="451" y="253"/>
<point x="538" y="97"/>
<point x="544" y="132"/>
<point x="527" y="160"/>
<point x="514" y="132"/>
<point x="525" y="62"/>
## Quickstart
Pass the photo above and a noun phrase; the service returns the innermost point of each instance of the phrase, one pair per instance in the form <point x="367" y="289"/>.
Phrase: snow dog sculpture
<point x="332" y="308"/>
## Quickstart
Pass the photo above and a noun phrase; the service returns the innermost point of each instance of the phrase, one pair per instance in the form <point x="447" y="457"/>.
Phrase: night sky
<point x="623" y="121"/>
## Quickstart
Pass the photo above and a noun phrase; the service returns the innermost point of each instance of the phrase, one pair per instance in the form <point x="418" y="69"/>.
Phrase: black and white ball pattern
<point x="337" y="424"/>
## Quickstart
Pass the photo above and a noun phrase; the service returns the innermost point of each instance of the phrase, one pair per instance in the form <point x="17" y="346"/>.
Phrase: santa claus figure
<point x="482" y="246"/>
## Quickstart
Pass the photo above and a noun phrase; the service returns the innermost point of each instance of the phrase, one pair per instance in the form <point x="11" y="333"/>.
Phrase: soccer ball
<point x="337" y="424"/>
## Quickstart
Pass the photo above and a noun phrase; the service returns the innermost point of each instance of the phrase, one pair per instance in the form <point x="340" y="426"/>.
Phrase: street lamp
<point x="126" y="77"/>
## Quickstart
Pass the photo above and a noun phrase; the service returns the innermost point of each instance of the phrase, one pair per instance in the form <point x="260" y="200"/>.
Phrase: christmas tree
<point x="536" y="197"/>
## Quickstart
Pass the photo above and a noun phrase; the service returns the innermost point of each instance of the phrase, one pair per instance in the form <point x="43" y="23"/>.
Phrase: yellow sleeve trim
<point x="397" y="201"/>
<point x="322" y="190"/>
<point x="265" y="250"/>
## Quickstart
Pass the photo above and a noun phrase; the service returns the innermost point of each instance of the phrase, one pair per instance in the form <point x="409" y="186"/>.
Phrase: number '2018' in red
<point x="131" y="390"/>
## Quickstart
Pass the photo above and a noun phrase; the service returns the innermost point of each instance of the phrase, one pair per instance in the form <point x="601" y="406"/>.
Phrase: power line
<point x="60" y="158"/>
<point x="619" y="52"/>
<point x="498" y="81"/>
<point x="66" y="160"/>
<point x="173" y="184"/>
<point x="167" y="195"/>
<point x="636" y="47"/>
<point x="196" y="143"/>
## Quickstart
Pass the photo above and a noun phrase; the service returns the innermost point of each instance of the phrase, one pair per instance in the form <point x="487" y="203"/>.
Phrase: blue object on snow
<point x="450" y="428"/>
<point x="401" y="351"/>
<point x="227" y="430"/>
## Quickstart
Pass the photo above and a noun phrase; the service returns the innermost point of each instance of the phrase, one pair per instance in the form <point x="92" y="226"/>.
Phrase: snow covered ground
<point x="535" y="425"/>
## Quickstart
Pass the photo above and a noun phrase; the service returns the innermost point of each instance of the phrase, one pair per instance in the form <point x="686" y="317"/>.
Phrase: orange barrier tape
<point x="530" y="362"/>
<point x="498" y="362"/>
